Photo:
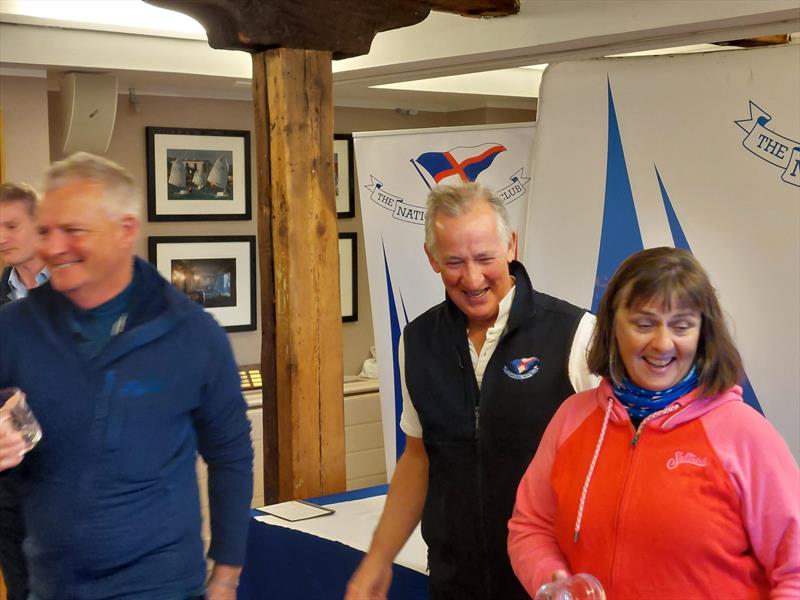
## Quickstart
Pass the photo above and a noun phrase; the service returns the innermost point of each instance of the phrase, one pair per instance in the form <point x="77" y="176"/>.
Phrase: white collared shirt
<point x="579" y="375"/>
<point x="18" y="289"/>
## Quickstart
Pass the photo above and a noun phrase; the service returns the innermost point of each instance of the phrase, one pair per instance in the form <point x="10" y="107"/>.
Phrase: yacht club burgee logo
<point x="770" y="146"/>
<point x="522" y="368"/>
<point x="459" y="164"/>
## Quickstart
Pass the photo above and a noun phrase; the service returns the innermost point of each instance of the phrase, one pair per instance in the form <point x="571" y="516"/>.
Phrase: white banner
<point x="693" y="151"/>
<point x="396" y="170"/>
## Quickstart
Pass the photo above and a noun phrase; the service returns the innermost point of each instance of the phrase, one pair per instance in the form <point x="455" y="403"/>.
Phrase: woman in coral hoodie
<point x="661" y="482"/>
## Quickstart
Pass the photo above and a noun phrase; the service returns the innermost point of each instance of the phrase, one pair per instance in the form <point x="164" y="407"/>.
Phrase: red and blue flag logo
<point x="462" y="162"/>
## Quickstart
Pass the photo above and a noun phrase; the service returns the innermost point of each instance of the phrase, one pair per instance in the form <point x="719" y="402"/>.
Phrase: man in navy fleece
<point x="129" y="380"/>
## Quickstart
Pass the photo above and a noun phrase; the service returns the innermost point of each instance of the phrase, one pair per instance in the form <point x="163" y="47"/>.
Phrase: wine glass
<point x="581" y="586"/>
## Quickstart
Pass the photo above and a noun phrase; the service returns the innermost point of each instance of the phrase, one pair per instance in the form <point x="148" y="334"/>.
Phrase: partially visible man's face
<point x="18" y="238"/>
<point x="89" y="254"/>
<point x="473" y="262"/>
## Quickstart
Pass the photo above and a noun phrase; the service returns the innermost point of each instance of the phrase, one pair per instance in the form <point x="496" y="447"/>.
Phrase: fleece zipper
<point x="622" y="505"/>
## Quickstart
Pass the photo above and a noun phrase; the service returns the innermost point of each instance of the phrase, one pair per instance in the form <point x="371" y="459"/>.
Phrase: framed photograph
<point x="198" y="174"/>
<point x="217" y="272"/>
<point x="343" y="175"/>
<point x="348" y="276"/>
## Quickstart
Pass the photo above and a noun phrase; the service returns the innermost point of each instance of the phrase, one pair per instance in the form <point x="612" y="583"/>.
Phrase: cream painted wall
<point x="23" y="101"/>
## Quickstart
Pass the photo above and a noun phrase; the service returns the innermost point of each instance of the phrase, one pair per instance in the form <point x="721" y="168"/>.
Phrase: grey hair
<point x="455" y="200"/>
<point x="22" y="193"/>
<point x="122" y="195"/>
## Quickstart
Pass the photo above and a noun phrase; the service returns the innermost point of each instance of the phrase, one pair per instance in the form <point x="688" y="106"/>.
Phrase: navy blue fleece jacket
<point x="110" y="496"/>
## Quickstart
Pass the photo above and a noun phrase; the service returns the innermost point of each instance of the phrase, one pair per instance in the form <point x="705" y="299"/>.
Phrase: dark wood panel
<point x="344" y="27"/>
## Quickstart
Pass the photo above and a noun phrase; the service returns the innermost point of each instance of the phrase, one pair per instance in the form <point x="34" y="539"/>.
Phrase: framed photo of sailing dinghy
<point x="343" y="176"/>
<point x="198" y="174"/>
<point x="216" y="271"/>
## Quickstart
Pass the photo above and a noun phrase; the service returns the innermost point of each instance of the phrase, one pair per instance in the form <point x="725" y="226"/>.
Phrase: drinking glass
<point x="15" y="413"/>
<point x="580" y="586"/>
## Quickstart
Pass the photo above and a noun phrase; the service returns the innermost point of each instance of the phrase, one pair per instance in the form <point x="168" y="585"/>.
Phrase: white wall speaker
<point x="89" y="103"/>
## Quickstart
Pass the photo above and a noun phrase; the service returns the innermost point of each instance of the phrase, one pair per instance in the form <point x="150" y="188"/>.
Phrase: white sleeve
<point x="579" y="375"/>
<point x="409" y="419"/>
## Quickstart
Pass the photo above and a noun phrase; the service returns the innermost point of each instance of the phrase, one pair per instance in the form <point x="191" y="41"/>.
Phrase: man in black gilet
<point x="483" y="372"/>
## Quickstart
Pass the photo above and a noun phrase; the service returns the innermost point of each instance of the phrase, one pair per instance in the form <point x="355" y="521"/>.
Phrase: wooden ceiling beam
<point x="476" y="8"/>
<point x="345" y="28"/>
<point x="758" y="42"/>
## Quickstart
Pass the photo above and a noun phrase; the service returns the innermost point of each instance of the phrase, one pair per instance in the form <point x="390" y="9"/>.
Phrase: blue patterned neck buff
<point x="641" y="402"/>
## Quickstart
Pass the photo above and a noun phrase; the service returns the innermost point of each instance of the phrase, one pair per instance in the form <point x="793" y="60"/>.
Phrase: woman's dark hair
<point x="666" y="275"/>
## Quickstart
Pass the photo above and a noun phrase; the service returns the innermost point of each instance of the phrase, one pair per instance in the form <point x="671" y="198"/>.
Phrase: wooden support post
<point x="269" y="393"/>
<point x="294" y="121"/>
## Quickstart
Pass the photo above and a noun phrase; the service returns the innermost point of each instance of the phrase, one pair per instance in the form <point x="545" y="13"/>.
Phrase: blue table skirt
<point x="283" y="564"/>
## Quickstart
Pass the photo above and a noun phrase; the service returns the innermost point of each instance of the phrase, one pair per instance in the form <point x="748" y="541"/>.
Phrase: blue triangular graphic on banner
<point x="749" y="394"/>
<point x="403" y="304"/>
<point x="620" y="236"/>
<point x="679" y="241"/>
<point x="678" y="238"/>
<point x="394" y="324"/>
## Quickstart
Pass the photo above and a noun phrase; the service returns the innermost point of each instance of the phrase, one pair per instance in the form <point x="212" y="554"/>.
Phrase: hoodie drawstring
<point x="589" y="474"/>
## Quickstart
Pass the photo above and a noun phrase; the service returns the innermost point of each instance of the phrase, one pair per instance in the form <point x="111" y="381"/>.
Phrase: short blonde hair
<point x="122" y="195"/>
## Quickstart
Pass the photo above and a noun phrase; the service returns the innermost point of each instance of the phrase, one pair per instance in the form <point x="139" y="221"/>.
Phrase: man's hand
<point x="12" y="446"/>
<point x="370" y="581"/>
<point x="401" y="513"/>
<point x="223" y="582"/>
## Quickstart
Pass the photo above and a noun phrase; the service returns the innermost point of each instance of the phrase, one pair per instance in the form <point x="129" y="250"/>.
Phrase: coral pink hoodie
<point x="702" y="502"/>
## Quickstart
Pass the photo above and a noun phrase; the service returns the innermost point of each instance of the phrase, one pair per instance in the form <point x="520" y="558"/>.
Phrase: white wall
<point x="23" y="101"/>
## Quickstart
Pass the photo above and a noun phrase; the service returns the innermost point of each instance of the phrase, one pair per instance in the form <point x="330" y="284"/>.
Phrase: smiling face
<point x="89" y="253"/>
<point x="657" y="344"/>
<point x="17" y="234"/>
<point x="473" y="262"/>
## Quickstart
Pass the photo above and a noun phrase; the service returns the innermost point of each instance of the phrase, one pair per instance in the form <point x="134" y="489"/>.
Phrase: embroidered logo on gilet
<point x="522" y="368"/>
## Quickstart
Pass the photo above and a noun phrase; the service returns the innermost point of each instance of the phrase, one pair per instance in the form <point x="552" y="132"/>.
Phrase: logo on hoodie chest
<point x="137" y="388"/>
<point x="522" y="368"/>
<point x="686" y="458"/>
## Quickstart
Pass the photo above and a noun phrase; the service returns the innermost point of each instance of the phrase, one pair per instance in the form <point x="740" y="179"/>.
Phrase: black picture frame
<point x="344" y="179"/>
<point x="231" y="297"/>
<point x="176" y="191"/>
<point x="348" y="276"/>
